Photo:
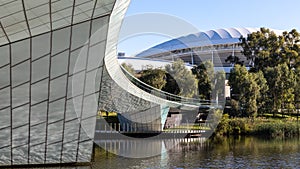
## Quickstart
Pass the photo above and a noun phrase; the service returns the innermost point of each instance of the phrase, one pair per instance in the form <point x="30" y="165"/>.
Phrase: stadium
<point x="215" y="45"/>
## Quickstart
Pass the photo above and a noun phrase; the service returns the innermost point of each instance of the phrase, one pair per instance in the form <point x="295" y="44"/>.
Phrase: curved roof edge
<point x="207" y="38"/>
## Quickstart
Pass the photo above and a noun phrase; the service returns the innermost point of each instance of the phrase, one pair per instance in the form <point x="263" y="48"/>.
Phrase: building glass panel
<point x="5" y="119"/>
<point x="40" y="45"/>
<point x="37" y="154"/>
<point x="59" y="64"/>
<point x="54" y="133"/>
<point x="20" y="95"/>
<point x="20" y="73"/>
<point x="60" y="40"/>
<point x="37" y="134"/>
<point x="39" y="113"/>
<point x="5" y="76"/>
<point x="20" y="136"/>
<point x="39" y="91"/>
<point x="20" y="116"/>
<point x="4" y="53"/>
<point x="56" y="110"/>
<point x="20" y="51"/>
<point x="40" y="69"/>
<point x="20" y="155"/>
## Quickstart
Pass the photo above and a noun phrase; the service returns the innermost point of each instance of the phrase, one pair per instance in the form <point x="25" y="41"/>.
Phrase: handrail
<point x="163" y="94"/>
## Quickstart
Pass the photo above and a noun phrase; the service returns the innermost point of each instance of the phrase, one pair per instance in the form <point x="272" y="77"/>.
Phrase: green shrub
<point x="236" y="126"/>
<point x="258" y="126"/>
<point x="277" y="129"/>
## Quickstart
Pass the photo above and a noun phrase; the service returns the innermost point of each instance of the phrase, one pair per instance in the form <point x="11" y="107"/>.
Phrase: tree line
<point x="271" y="84"/>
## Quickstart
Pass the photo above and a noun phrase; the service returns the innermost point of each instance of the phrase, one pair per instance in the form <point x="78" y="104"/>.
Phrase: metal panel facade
<point x="50" y="72"/>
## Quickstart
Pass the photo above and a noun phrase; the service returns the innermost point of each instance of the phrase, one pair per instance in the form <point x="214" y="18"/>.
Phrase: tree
<point x="129" y="68"/>
<point x="244" y="90"/>
<point x="204" y="73"/>
<point x="265" y="49"/>
<point x="275" y="61"/>
<point x="211" y="85"/>
<point x="219" y="85"/>
<point x="236" y="78"/>
<point x="184" y="78"/>
<point x="262" y="48"/>
<point x="234" y="60"/>
<point x="251" y="93"/>
<point x="171" y="85"/>
<point x="154" y="77"/>
<point x="234" y="110"/>
<point x="281" y="81"/>
<point x="262" y="98"/>
<point x="291" y="49"/>
<point x="285" y="86"/>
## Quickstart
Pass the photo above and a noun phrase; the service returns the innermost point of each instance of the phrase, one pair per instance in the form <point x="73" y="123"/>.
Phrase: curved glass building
<point x="51" y="62"/>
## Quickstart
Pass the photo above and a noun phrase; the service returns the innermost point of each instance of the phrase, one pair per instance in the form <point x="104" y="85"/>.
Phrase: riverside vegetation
<point x="266" y="127"/>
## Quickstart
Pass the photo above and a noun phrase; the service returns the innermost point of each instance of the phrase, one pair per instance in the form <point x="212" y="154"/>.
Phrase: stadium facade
<point x="215" y="45"/>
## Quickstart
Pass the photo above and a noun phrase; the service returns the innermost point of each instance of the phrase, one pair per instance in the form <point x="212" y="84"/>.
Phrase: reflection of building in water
<point x="143" y="148"/>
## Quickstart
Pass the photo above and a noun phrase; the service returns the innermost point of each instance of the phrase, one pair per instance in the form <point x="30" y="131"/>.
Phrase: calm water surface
<point x="239" y="152"/>
<point x="242" y="152"/>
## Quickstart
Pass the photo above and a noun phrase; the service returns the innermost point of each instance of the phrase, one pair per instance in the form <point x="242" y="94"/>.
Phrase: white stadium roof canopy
<point x="207" y="38"/>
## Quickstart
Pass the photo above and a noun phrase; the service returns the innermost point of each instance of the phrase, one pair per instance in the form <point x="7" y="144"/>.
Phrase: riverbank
<point x="265" y="127"/>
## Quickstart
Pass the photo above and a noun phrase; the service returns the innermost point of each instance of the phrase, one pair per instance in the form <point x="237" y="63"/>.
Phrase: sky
<point x="206" y="15"/>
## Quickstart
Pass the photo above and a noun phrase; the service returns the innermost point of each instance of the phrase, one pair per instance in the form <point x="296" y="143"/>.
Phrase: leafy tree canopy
<point x="154" y="77"/>
<point x="204" y="72"/>
<point x="265" y="49"/>
<point x="184" y="78"/>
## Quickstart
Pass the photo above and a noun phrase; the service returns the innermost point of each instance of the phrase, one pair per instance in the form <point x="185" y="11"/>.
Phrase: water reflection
<point x="241" y="152"/>
<point x="143" y="147"/>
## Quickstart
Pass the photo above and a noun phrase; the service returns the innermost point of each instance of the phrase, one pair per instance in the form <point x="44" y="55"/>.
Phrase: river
<point x="240" y="152"/>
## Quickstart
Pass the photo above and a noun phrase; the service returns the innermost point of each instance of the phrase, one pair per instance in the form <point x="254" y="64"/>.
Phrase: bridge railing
<point x="163" y="94"/>
<point x="150" y="128"/>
